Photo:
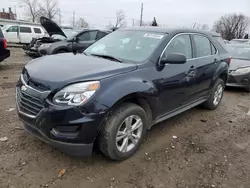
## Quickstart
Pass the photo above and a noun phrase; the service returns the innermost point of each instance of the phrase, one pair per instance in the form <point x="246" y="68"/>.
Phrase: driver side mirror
<point x="174" y="58"/>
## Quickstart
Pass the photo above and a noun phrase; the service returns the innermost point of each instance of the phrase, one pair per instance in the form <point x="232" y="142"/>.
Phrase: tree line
<point x="230" y="26"/>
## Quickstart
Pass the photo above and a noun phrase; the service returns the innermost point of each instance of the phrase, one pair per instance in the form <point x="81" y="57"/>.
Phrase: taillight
<point x="4" y="43"/>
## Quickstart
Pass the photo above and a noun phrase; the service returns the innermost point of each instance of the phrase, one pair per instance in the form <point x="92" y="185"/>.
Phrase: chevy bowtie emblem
<point x="23" y="88"/>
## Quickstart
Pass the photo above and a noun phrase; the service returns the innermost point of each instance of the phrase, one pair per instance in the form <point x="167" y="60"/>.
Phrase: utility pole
<point x="141" y="14"/>
<point x="73" y="18"/>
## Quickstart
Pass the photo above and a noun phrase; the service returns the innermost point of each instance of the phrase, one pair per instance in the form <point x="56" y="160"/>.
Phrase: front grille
<point x="28" y="104"/>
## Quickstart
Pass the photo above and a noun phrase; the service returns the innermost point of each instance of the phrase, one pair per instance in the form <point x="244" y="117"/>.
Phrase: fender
<point x="110" y="94"/>
<point x="221" y="69"/>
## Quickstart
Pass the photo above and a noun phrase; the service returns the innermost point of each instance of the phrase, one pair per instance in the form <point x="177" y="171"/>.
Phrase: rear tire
<point x="216" y="95"/>
<point x="117" y="140"/>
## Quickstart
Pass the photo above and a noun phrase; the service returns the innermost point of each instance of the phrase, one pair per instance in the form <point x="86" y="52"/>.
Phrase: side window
<point x="100" y="35"/>
<point x="87" y="36"/>
<point x="180" y="44"/>
<point x="25" y="30"/>
<point x="203" y="46"/>
<point x="37" y="30"/>
<point x="13" y="29"/>
<point x="213" y="49"/>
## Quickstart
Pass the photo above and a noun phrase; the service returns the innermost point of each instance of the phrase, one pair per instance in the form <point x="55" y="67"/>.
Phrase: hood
<point x="51" y="27"/>
<point x="238" y="63"/>
<point x="53" y="72"/>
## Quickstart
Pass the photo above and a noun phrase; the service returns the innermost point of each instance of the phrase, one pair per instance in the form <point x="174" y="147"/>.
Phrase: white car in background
<point x="22" y="34"/>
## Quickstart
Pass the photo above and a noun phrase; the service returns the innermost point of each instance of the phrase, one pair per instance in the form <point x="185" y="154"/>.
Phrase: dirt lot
<point x="212" y="149"/>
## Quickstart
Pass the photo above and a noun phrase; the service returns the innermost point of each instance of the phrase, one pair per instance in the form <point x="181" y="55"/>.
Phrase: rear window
<point x="37" y="30"/>
<point x="25" y="30"/>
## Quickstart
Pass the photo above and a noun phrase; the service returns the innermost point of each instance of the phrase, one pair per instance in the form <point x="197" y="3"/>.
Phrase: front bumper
<point x="32" y="52"/>
<point x="235" y="80"/>
<point x="70" y="129"/>
<point x="69" y="148"/>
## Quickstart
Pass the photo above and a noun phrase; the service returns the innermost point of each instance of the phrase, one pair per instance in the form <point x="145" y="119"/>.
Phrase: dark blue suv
<point x="120" y="87"/>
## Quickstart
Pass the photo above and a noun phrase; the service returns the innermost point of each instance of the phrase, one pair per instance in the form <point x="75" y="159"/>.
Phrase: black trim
<point x="69" y="148"/>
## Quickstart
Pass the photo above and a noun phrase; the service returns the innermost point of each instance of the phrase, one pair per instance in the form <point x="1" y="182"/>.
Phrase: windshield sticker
<point x="154" y="36"/>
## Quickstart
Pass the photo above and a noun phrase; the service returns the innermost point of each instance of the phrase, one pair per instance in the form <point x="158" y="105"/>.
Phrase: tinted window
<point x="100" y="35"/>
<point x="25" y="30"/>
<point x="87" y="36"/>
<point x="13" y="29"/>
<point x="203" y="46"/>
<point x="37" y="30"/>
<point x="180" y="44"/>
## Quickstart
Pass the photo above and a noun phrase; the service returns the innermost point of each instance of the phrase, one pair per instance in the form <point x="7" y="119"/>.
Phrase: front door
<point x="174" y="78"/>
<point x="11" y="34"/>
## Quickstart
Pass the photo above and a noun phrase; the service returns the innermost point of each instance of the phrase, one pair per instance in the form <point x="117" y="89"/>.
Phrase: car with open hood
<point x="54" y="32"/>
<point x="77" y="42"/>
<point x="119" y="87"/>
<point x="239" y="70"/>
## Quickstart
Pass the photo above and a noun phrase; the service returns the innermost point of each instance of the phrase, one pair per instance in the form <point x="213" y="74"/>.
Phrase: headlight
<point x="76" y="94"/>
<point x="45" y="45"/>
<point x="243" y="70"/>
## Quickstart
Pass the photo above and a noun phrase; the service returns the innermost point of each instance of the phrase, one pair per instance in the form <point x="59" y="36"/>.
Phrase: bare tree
<point x="120" y="19"/>
<point x="82" y="23"/>
<point x="232" y="26"/>
<point x="32" y="9"/>
<point x="49" y="9"/>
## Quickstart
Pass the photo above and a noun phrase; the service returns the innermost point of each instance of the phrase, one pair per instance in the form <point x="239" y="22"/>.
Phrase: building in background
<point x="8" y="15"/>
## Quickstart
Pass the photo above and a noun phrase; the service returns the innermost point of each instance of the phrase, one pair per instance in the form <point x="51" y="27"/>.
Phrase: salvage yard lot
<point x="212" y="149"/>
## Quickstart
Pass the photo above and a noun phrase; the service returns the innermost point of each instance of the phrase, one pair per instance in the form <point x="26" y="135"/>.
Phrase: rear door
<point x="11" y="34"/>
<point x="26" y="34"/>
<point x="85" y="39"/>
<point x="205" y="64"/>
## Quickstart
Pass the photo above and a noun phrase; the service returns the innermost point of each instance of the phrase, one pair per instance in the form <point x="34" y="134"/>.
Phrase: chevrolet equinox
<point x="119" y="87"/>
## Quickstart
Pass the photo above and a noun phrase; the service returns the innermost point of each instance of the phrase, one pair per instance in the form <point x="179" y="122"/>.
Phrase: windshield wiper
<point x="108" y="57"/>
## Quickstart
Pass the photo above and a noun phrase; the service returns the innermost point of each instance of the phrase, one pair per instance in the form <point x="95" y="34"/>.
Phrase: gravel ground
<point x="212" y="149"/>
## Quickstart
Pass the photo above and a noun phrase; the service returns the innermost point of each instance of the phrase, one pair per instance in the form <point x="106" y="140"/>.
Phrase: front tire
<point x="217" y="93"/>
<point x="123" y="132"/>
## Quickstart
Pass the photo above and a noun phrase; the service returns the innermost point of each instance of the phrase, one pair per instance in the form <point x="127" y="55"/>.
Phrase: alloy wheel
<point x="218" y="95"/>
<point x="129" y="133"/>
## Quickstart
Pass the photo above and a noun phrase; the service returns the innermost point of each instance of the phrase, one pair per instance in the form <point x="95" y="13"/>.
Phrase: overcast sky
<point x="100" y="13"/>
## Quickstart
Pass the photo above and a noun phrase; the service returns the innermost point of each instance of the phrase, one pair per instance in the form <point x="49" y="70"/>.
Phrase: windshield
<point x="239" y="52"/>
<point x="127" y="45"/>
